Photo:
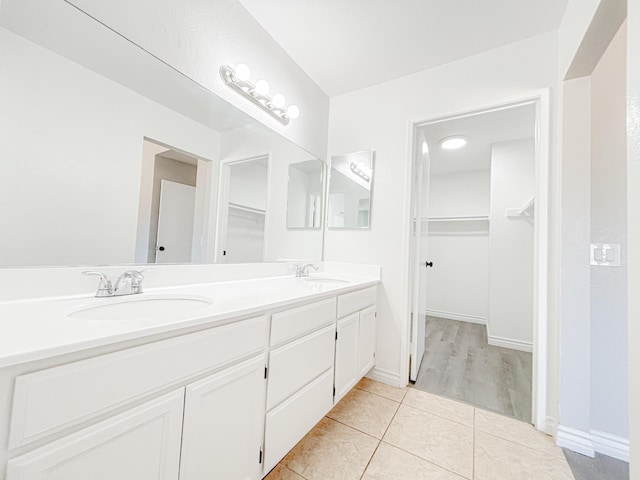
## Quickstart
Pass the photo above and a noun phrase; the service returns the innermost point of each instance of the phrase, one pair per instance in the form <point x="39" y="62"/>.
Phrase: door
<point x="223" y="424"/>
<point x="418" y="248"/>
<point x="141" y="444"/>
<point x="346" y="355"/>
<point x="367" y="341"/>
<point x="175" y="222"/>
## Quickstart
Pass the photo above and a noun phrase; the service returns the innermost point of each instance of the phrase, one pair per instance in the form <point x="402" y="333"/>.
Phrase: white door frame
<point x="540" y="244"/>
<point x="223" y="198"/>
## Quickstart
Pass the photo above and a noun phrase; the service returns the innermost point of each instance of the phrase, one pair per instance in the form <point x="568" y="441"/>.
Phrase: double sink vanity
<point x="206" y="380"/>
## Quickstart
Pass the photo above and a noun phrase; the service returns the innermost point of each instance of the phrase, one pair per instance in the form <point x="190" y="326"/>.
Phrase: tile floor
<point x="381" y="432"/>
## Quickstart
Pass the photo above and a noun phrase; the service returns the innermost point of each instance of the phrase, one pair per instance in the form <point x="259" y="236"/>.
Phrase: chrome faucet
<point x="303" y="270"/>
<point x="129" y="283"/>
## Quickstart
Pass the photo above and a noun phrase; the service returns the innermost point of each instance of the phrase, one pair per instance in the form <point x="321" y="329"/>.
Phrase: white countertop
<point x="41" y="328"/>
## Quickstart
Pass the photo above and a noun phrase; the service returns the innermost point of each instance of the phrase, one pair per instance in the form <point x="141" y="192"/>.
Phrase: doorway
<point x="243" y="210"/>
<point x="474" y="290"/>
<point x="173" y="211"/>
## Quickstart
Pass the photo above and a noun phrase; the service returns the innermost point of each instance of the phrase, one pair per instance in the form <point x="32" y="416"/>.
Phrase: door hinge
<point x="336" y="335"/>
<point x="265" y="372"/>
<point x="260" y="458"/>
<point x="334" y="391"/>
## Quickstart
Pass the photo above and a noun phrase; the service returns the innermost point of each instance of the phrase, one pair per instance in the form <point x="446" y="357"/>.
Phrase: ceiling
<point x="482" y="131"/>
<point x="347" y="45"/>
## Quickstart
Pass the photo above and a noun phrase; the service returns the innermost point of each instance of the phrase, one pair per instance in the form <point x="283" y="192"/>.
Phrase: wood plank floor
<point x="459" y="363"/>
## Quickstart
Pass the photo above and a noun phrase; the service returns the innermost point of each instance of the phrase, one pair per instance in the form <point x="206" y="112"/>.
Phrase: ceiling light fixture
<point x="238" y="80"/>
<point x="453" y="143"/>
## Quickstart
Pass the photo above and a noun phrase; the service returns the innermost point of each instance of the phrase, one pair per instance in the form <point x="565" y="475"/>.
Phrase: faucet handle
<point x="136" y="278"/>
<point x="105" y="287"/>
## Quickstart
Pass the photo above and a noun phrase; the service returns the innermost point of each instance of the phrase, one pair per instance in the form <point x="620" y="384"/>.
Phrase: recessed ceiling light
<point x="453" y="143"/>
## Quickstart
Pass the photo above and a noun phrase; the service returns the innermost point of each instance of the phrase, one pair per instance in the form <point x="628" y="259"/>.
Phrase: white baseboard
<point x="455" y="316"/>
<point x="610" y="445"/>
<point x="575" y="440"/>
<point x="385" y="376"/>
<point x="587" y="443"/>
<point x="550" y="426"/>
<point x="510" y="343"/>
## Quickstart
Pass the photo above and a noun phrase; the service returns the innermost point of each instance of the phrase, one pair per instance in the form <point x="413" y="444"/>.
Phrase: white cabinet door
<point x="366" y="341"/>
<point x="346" y="366"/>
<point x="223" y="425"/>
<point x="141" y="444"/>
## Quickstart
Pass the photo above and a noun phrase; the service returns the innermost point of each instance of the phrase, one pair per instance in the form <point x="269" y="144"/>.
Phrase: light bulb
<point x="242" y="72"/>
<point x="293" y="111"/>
<point x="278" y="100"/>
<point x="262" y="88"/>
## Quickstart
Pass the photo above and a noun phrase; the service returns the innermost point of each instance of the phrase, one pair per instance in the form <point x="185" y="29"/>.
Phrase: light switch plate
<point x="605" y="254"/>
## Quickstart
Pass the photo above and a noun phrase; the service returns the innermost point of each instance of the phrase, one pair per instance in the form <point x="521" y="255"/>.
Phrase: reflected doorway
<point x="174" y="206"/>
<point x="243" y="210"/>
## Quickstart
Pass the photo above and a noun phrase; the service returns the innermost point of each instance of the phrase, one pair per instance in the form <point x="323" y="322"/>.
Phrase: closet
<point x="476" y="272"/>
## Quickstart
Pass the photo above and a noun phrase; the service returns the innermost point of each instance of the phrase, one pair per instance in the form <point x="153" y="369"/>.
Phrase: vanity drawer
<point x="354" y="301"/>
<point x="293" y="366"/>
<point x="298" y="321"/>
<point x="293" y="419"/>
<point x="57" y="398"/>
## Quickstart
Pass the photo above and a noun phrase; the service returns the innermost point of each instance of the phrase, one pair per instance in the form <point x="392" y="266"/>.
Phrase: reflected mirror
<point x="350" y="183"/>
<point x="111" y="156"/>
<point x="304" y="194"/>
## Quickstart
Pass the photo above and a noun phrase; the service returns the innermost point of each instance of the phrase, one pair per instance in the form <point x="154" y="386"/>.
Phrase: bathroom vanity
<point x="222" y="392"/>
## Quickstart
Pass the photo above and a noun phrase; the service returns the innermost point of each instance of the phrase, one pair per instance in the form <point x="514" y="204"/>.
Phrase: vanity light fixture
<point x="454" y="142"/>
<point x="258" y="93"/>
<point x="361" y="170"/>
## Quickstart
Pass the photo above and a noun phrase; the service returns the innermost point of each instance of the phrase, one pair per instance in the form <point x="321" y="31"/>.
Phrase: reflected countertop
<point x="41" y="328"/>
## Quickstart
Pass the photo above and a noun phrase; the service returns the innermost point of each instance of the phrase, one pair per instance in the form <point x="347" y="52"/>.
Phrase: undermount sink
<point x="325" y="280"/>
<point x="142" y="306"/>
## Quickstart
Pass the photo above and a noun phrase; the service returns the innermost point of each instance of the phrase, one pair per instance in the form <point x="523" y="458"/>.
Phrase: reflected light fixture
<point x="238" y="79"/>
<point x="361" y="170"/>
<point x="454" y="142"/>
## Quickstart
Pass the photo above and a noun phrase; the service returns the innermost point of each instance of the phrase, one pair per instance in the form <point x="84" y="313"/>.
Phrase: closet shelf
<point x="526" y="210"/>
<point x="246" y="209"/>
<point x="458" y="218"/>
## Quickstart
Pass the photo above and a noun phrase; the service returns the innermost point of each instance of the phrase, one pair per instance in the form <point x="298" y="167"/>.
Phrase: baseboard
<point x="385" y="376"/>
<point x="587" y="443"/>
<point x="455" y="316"/>
<point x="610" y="445"/>
<point x="575" y="440"/>
<point x="550" y="426"/>
<point x="510" y="343"/>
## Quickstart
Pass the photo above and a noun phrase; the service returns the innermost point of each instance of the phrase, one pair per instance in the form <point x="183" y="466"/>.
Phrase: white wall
<point x="198" y="36"/>
<point x="594" y="401"/>
<point x="72" y="158"/>
<point x="248" y="184"/>
<point x="280" y="242"/>
<point x="633" y="219"/>
<point x="379" y="118"/>
<point x="575" y="23"/>
<point x="510" y="322"/>
<point x="575" y="374"/>
<point x="456" y="286"/>
<point x="608" y="225"/>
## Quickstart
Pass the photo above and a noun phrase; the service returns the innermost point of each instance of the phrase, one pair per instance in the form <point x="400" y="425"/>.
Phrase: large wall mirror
<point x="304" y="194"/>
<point x="110" y="156"/>
<point x="350" y="185"/>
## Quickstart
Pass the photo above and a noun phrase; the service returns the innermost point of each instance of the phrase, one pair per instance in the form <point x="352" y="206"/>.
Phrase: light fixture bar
<point x="248" y="90"/>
